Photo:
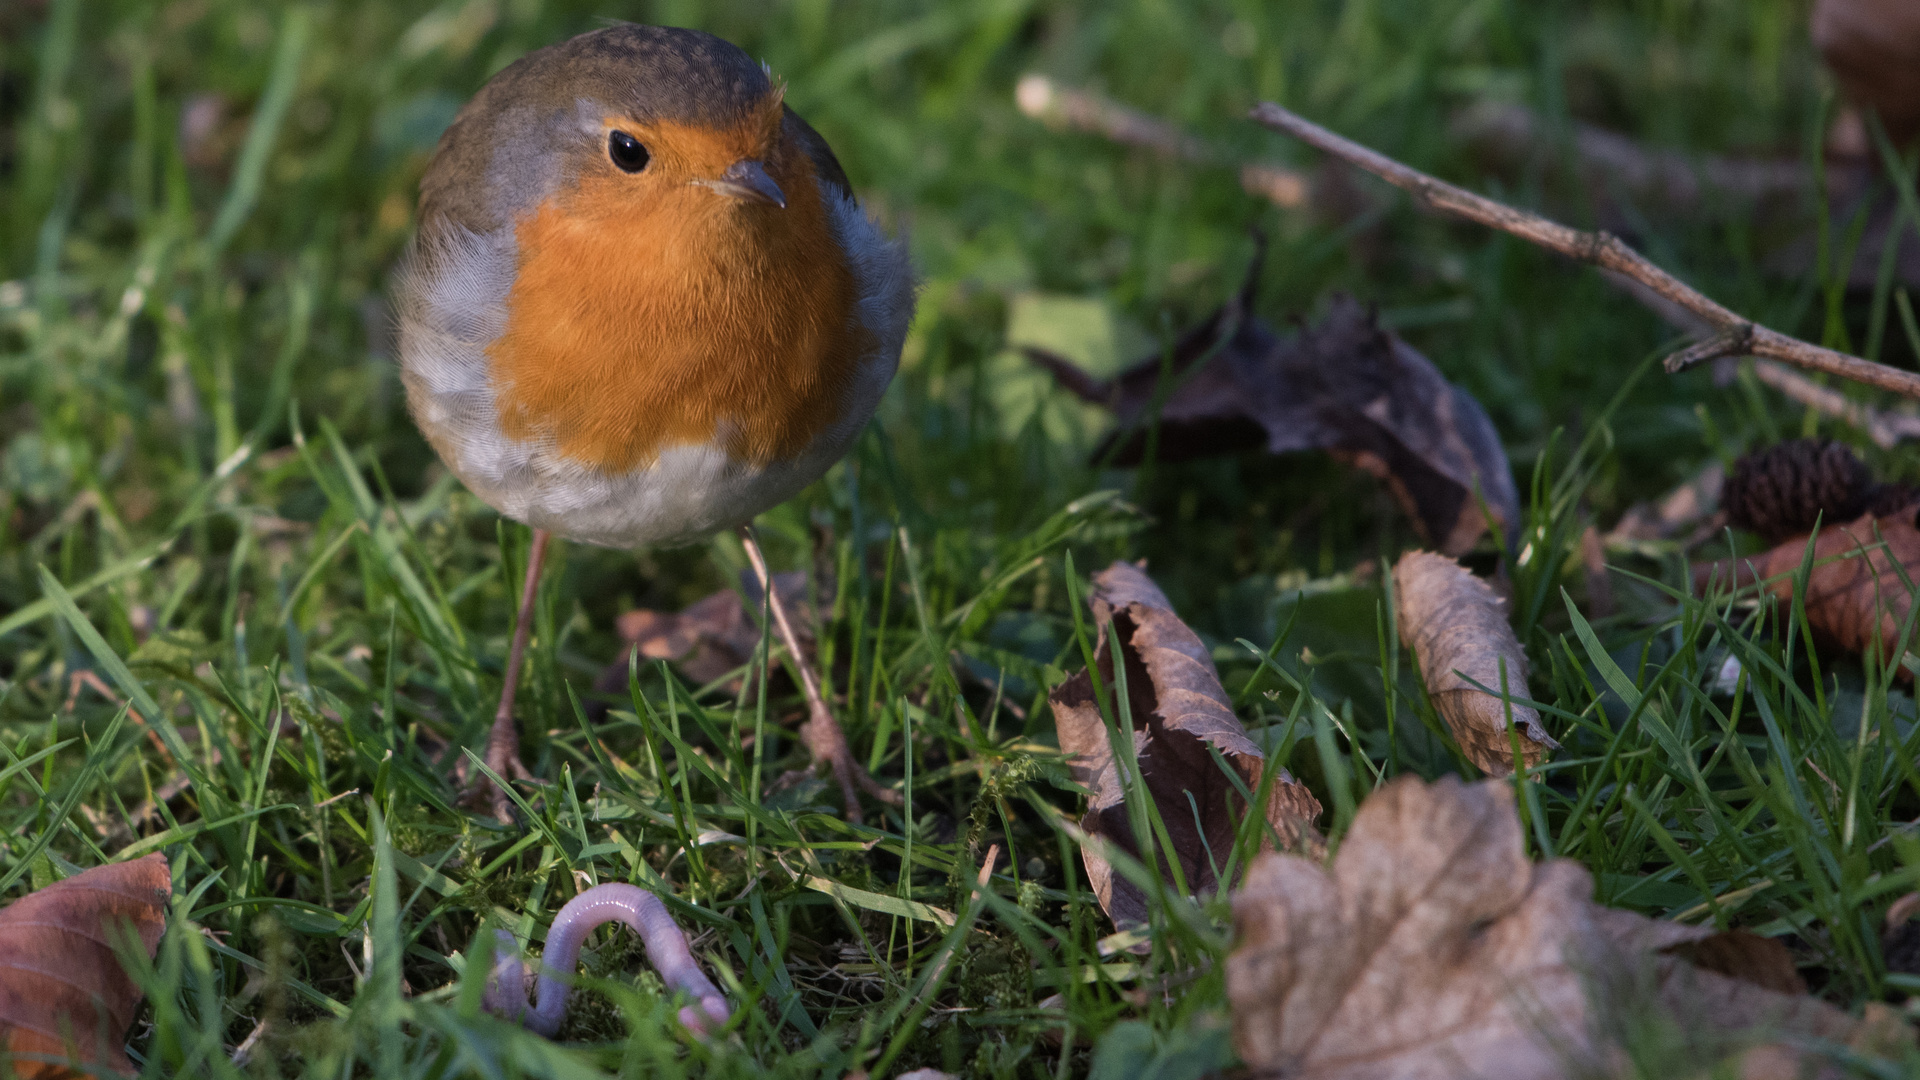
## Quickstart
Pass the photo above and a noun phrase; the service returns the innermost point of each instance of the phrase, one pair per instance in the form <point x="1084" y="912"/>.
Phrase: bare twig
<point x="243" y="1053"/>
<point x="1680" y="180"/>
<point x="1734" y="336"/>
<point x="825" y="739"/>
<point x="1593" y="558"/>
<point x="87" y="679"/>
<point x="1512" y="132"/>
<point x="1080" y="110"/>
<point x="1886" y="429"/>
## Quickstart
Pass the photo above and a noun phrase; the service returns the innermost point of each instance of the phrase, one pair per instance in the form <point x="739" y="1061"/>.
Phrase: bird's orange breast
<point x="682" y="318"/>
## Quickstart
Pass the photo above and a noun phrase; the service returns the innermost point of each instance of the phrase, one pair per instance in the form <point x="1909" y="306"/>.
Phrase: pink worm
<point x="629" y="904"/>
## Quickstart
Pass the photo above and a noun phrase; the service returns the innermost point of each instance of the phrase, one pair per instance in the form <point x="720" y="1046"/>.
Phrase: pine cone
<point x="1784" y="490"/>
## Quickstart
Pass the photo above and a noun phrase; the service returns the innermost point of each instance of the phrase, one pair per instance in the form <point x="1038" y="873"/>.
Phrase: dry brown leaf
<point x="1346" y="386"/>
<point x="61" y="983"/>
<point x="1432" y="948"/>
<point x="1855" y="596"/>
<point x="1855" y="591"/>
<point x="1900" y="939"/>
<point x="714" y="635"/>
<point x="1873" y="47"/>
<point x="1457" y="629"/>
<point x="1180" y="713"/>
<point x="1737" y="954"/>
<point x="1677" y="513"/>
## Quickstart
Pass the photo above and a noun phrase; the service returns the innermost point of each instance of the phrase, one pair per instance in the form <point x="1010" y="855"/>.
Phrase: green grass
<point x="210" y="496"/>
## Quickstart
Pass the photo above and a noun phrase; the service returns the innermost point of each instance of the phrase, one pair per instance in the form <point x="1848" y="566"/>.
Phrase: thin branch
<point x="1080" y="110"/>
<point x="1512" y="133"/>
<point x="825" y="739"/>
<point x="1886" y="429"/>
<point x="1085" y="111"/>
<point x="1735" y="335"/>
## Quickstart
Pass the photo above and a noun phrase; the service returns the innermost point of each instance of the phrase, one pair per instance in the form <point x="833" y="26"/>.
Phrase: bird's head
<point x="677" y="274"/>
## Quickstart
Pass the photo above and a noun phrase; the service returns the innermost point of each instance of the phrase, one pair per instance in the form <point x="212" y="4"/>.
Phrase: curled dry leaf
<point x="1738" y="954"/>
<point x="61" y="983"/>
<point x="1857" y="590"/>
<point x="1182" y="717"/>
<point x="1457" y="629"/>
<point x="1856" y="598"/>
<point x="1873" y="47"/>
<point x="1432" y="948"/>
<point x="1900" y="939"/>
<point x="714" y="635"/>
<point x="1677" y="513"/>
<point x="1346" y="386"/>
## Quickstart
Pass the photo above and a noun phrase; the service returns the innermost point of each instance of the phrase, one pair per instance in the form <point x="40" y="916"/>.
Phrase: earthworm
<point x="506" y="993"/>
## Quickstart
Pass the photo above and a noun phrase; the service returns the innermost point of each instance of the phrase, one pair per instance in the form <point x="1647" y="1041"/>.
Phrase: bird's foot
<point x="827" y="744"/>
<point x="503" y="758"/>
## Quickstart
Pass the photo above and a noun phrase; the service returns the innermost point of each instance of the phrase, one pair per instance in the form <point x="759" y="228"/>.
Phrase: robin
<point x="643" y="305"/>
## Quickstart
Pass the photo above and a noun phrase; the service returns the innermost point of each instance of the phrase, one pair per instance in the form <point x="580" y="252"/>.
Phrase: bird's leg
<point x="822" y="733"/>
<point x="503" y="742"/>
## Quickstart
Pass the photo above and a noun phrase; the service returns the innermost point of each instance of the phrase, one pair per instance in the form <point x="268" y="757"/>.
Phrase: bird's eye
<point x="627" y="152"/>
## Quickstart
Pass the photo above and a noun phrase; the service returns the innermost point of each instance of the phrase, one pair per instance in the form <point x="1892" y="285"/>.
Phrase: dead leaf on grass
<point x="61" y="983"/>
<point x="711" y="637"/>
<point x="1857" y="590"/>
<point x="1738" y="954"/>
<point x="1346" y="386"/>
<point x="1181" y="717"/>
<point x="1432" y="948"/>
<point x="1855" y="598"/>
<point x="1873" y="47"/>
<point x="1458" y="631"/>
<point x="1677" y="513"/>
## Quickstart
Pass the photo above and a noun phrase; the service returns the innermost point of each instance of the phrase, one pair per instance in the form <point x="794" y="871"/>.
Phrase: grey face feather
<point x="506" y="149"/>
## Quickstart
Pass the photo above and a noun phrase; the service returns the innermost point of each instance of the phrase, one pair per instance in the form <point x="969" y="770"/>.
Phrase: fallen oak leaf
<point x="1856" y="598"/>
<point x="709" y="638"/>
<point x="1344" y="385"/>
<point x="1739" y="954"/>
<point x="1873" y="47"/>
<point x="63" y="992"/>
<point x="1182" y="717"/>
<point x="1678" y="512"/>
<point x="1458" y="632"/>
<point x="1431" y="947"/>
<point x="1858" y="591"/>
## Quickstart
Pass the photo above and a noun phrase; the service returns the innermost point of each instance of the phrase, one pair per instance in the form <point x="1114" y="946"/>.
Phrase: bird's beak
<point x="748" y="180"/>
